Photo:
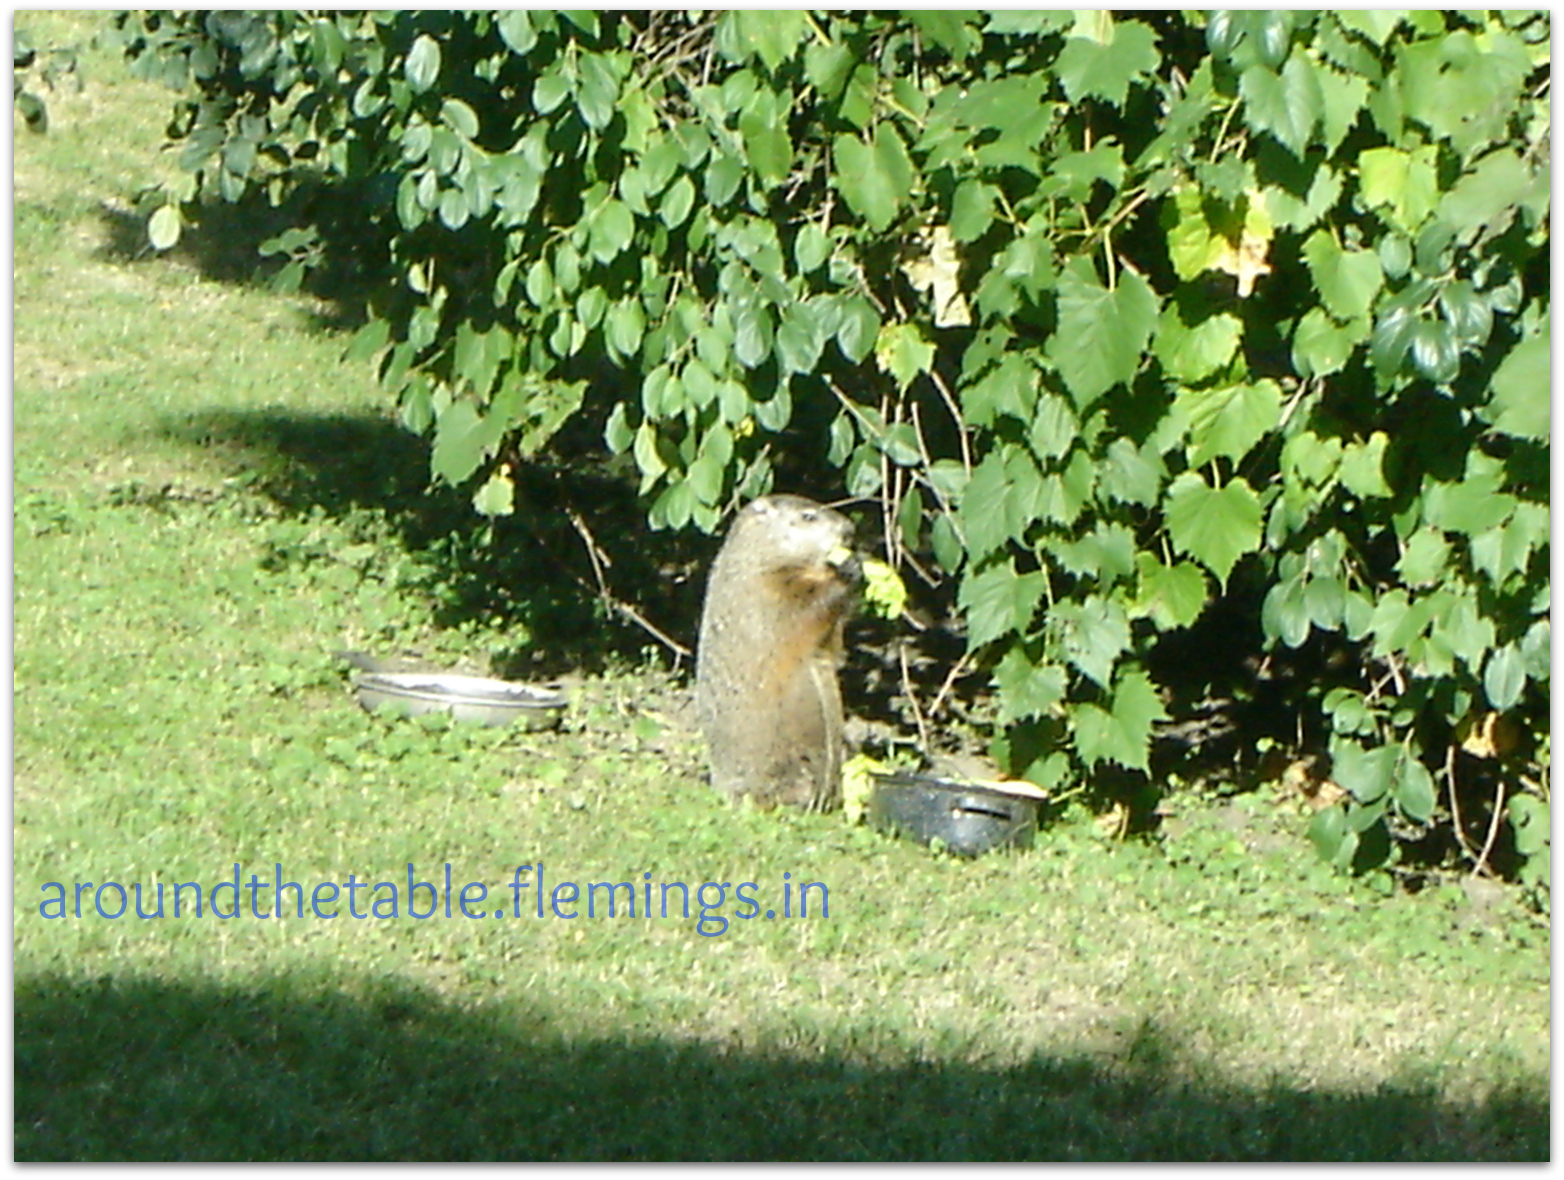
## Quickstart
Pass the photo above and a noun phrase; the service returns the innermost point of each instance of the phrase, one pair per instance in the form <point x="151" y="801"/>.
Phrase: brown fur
<point x="771" y="640"/>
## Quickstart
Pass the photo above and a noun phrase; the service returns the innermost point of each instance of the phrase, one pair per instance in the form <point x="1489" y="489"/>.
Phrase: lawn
<point x="209" y="502"/>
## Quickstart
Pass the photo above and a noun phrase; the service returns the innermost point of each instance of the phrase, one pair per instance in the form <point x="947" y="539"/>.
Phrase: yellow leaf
<point x="938" y="271"/>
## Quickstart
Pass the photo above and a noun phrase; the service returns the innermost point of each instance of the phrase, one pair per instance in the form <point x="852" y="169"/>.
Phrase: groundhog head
<point x="799" y="536"/>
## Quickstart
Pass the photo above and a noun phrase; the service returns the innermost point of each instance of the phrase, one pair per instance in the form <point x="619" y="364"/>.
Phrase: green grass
<point x="208" y="502"/>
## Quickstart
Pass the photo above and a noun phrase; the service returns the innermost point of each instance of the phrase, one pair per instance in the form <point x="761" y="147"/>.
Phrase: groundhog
<point x="766" y="694"/>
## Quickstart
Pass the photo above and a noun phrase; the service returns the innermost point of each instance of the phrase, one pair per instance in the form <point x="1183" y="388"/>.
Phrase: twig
<point x="1395" y="674"/>
<point x="1455" y="804"/>
<point x="955" y="413"/>
<point x="887" y="473"/>
<point x="599" y="558"/>
<point x="912" y="697"/>
<point x="1493" y="830"/>
<point x="950" y="679"/>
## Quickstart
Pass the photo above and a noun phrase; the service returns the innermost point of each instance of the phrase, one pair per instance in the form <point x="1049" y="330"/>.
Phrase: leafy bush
<point x="1112" y="318"/>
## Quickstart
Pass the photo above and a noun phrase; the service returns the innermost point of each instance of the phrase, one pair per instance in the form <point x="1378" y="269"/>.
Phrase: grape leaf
<point x="1214" y="526"/>
<point x="1102" y="334"/>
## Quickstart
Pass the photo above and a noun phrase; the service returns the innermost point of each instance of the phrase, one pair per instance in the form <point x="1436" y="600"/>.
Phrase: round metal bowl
<point x="968" y="818"/>
<point x="475" y="699"/>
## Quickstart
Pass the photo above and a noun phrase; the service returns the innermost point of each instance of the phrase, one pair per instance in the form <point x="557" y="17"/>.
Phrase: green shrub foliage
<point x="1106" y="313"/>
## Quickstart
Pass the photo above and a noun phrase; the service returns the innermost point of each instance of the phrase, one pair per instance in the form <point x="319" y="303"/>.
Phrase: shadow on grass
<point x="532" y="569"/>
<point x="140" y="1070"/>
<point x="223" y="244"/>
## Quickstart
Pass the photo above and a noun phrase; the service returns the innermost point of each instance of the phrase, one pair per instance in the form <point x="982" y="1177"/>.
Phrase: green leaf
<point x="1214" y="526"/>
<point x="811" y="248"/>
<point x="1332" y="838"/>
<point x="1289" y="211"/>
<point x="1403" y="184"/>
<point x="1347" y="280"/>
<point x="1424" y="560"/>
<point x="1091" y="634"/>
<point x="164" y="226"/>
<point x="612" y="230"/>
<point x="1487" y="198"/>
<point x="1193" y="247"/>
<point x="948" y="29"/>
<point x="1349" y="711"/>
<point x="677" y="202"/>
<point x="1124" y="734"/>
<point x="752" y="334"/>
<point x="860" y="328"/>
<point x="1326" y="598"/>
<point x="1475" y="503"/>
<point x="1081" y="172"/>
<point x="1343" y="97"/>
<point x="423" y="63"/>
<point x="458" y="443"/>
<point x="1228" y="421"/>
<point x="1366" y="774"/>
<point x="597" y="96"/>
<point x="1131" y="474"/>
<point x="800" y="338"/>
<point x="1010" y="387"/>
<point x="1530" y="818"/>
<point x="1105" y="554"/>
<point x="1466" y="633"/>
<point x="1392" y="336"/>
<point x="876" y="177"/>
<point x="972" y="210"/>
<point x="625" y="325"/>
<point x="497" y="496"/>
<point x="771" y="34"/>
<point x="1505" y="551"/>
<point x="1192" y="354"/>
<point x="1436" y="353"/>
<point x="368" y="340"/>
<point x="1090" y="69"/>
<point x="999" y="502"/>
<point x="1469" y="314"/>
<point x="453" y="209"/>
<point x="1362" y="470"/>
<point x="1102" y="334"/>
<point x="1054" y="427"/>
<point x="902" y="351"/>
<point x="617" y="433"/>
<point x="1169" y="595"/>
<point x="763" y="125"/>
<point x="1243" y="38"/>
<point x="723" y="176"/>
<point x="1287" y="105"/>
<point x="999" y="602"/>
<point x="1414" y="790"/>
<point x="1285" y="613"/>
<point x="1504" y="677"/>
<point x="1321" y="347"/>
<point x="828" y="66"/>
<point x="1375" y="24"/>
<point x="1519" y="403"/>
<point x="460" y="117"/>
<point x="516" y="30"/>
<point x="1027" y="689"/>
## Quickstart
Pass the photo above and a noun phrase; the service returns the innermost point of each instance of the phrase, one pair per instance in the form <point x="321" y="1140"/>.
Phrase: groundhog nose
<point x="844" y="561"/>
<point x="850" y="567"/>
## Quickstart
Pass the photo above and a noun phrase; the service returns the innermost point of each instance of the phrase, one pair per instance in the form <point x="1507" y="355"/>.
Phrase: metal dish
<point x="475" y="699"/>
<point x="968" y="818"/>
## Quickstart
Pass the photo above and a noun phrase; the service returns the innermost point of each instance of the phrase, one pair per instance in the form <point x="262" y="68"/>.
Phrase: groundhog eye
<point x="809" y="517"/>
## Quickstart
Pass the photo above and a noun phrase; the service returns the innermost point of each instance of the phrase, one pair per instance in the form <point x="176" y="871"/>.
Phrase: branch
<point x="600" y="559"/>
